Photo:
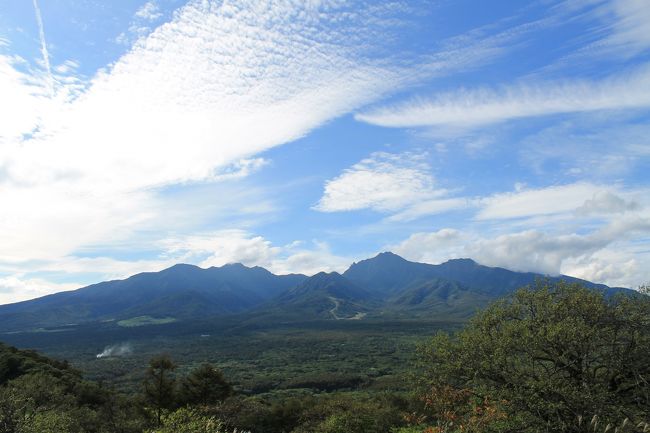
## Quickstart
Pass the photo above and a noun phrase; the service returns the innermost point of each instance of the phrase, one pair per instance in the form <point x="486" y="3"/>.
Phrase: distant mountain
<point x="384" y="286"/>
<point x="389" y="273"/>
<point x="438" y="297"/>
<point x="329" y="296"/>
<point x="180" y="292"/>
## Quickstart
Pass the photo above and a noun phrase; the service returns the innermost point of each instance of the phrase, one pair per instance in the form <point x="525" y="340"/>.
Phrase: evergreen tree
<point x="159" y="385"/>
<point x="205" y="385"/>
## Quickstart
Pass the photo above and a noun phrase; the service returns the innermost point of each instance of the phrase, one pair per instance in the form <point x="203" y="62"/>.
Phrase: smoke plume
<point x="116" y="350"/>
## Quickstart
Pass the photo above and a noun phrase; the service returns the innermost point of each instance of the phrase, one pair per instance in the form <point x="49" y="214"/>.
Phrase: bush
<point x="187" y="420"/>
<point x="544" y="359"/>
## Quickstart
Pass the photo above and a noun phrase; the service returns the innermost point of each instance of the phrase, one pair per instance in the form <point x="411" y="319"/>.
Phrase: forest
<point x="557" y="357"/>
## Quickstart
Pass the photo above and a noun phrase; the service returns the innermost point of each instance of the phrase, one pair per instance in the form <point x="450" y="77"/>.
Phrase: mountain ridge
<point x="386" y="284"/>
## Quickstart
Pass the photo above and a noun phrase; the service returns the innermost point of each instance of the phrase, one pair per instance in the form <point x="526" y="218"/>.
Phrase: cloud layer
<point x="217" y="84"/>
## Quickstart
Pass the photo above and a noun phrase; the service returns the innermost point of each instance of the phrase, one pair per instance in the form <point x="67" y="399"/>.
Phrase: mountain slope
<point x="328" y="296"/>
<point x="389" y="273"/>
<point x="181" y="292"/>
<point x="384" y="285"/>
<point x="438" y="297"/>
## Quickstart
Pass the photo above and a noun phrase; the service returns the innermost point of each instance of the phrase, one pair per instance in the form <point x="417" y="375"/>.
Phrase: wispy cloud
<point x="149" y="11"/>
<point x="581" y="199"/>
<point x="17" y="287"/>
<point x="582" y="148"/>
<point x="215" y="86"/>
<point x="534" y="202"/>
<point x="615" y="29"/>
<point x="44" y="50"/>
<point x="469" y="108"/>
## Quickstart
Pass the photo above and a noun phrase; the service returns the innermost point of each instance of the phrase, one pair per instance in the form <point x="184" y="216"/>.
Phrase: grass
<point x="144" y="321"/>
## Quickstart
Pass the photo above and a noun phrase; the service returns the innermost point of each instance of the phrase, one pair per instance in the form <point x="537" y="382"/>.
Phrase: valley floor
<point x="258" y="357"/>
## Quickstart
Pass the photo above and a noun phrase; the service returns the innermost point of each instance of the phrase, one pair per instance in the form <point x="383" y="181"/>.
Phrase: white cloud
<point x="241" y="246"/>
<point x="549" y="253"/>
<point x="149" y="11"/>
<point x="310" y="261"/>
<point x="622" y="28"/>
<point x="618" y="266"/>
<point x="631" y="26"/>
<point x="583" y="198"/>
<point x="386" y="182"/>
<point x="223" y="247"/>
<point x="605" y="202"/>
<point x="610" y="254"/>
<point x="140" y="25"/>
<point x="17" y="288"/>
<point x="44" y="50"/>
<point x="533" y="250"/>
<point x="468" y="108"/>
<point x="430" y="247"/>
<point x="26" y="96"/>
<point x="240" y="169"/>
<point x="584" y="147"/>
<point x="194" y="100"/>
<point x="431" y="207"/>
<point x="383" y="182"/>
<point x="216" y="85"/>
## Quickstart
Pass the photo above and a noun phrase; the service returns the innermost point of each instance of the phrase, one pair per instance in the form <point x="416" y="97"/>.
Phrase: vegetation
<point x="555" y="358"/>
<point x="144" y="321"/>
<point x="548" y="359"/>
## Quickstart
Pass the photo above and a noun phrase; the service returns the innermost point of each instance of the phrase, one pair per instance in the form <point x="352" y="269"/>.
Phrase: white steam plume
<point x="116" y="350"/>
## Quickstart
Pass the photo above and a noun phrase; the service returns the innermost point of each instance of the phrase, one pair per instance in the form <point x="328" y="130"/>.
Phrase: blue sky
<point x="304" y="135"/>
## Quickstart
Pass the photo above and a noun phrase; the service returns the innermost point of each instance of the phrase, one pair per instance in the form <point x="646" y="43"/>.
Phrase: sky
<point x="304" y="135"/>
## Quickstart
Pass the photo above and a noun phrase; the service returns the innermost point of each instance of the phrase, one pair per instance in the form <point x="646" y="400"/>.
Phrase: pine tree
<point x="159" y="385"/>
<point x="205" y="385"/>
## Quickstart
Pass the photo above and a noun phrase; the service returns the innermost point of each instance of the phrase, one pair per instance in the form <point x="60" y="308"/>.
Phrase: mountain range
<point x="384" y="286"/>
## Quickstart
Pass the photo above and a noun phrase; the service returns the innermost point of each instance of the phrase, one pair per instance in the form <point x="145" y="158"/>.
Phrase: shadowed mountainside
<point x="386" y="285"/>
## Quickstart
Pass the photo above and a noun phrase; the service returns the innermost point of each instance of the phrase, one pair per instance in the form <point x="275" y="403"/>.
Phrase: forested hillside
<point x="557" y="357"/>
<point x="383" y="286"/>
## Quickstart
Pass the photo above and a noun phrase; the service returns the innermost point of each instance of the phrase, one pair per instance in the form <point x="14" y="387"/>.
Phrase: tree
<point x="186" y="420"/>
<point x="644" y="288"/>
<point x="205" y="385"/>
<point x="550" y="358"/>
<point x="159" y="385"/>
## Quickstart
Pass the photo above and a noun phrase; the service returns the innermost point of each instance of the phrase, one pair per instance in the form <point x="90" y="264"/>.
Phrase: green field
<point x="144" y="321"/>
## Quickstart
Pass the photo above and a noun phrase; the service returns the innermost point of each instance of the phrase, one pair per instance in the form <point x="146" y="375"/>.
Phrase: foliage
<point x="557" y="358"/>
<point x="15" y="363"/>
<point x="543" y="358"/>
<point x="644" y="289"/>
<point x="159" y="385"/>
<point x="186" y="420"/>
<point x="205" y="385"/>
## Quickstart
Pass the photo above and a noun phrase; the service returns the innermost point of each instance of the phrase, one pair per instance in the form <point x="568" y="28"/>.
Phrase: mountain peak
<point x="181" y="267"/>
<point x="462" y="262"/>
<point x="325" y="277"/>
<point x="235" y="265"/>
<point x="320" y="288"/>
<point x="388" y="255"/>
